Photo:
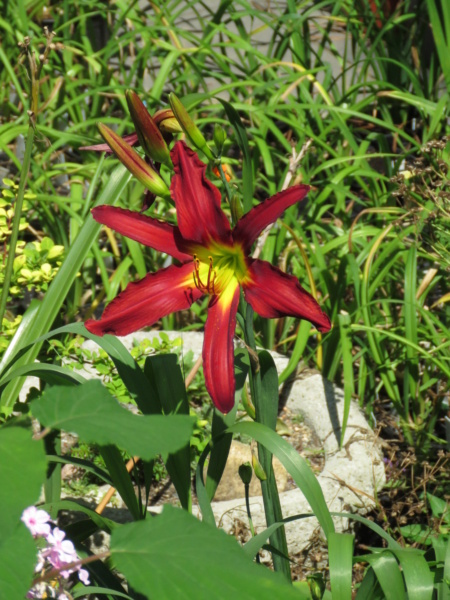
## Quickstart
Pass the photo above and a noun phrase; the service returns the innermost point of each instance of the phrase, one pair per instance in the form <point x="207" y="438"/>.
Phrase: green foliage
<point x="371" y="243"/>
<point x="175" y="543"/>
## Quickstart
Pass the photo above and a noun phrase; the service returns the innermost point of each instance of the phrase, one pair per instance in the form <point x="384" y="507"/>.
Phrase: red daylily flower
<point x="215" y="261"/>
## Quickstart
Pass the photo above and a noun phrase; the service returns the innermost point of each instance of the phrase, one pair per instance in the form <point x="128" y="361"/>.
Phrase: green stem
<point x="271" y="499"/>
<point x="16" y="221"/>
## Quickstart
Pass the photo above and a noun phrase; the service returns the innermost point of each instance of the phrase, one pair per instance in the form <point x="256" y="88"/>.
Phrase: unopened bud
<point x="259" y="471"/>
<point x="237" y="210"/>
<point x="188" y="126"/>
<point x="245" y="473"/>
<point x="219" y="137"/>
<point x="316" y="585"/>
<point x="166" y="121"/>
<point x="134" y="163"/>
<point x="147" y="131"/>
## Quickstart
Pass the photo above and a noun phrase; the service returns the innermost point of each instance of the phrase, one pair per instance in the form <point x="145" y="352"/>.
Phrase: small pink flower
<point x="37" y="521"/>
<point x="83" y="576"/>
<point x="61" y="551"/>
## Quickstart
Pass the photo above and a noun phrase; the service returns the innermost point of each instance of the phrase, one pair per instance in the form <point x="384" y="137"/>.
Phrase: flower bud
<point x="259" y="471"/>
<point x="219" y="137"/>
<point x="147" y="130"/>
<point x="237" y="210"/>
<point x="245" y="473"/>
<point x="316" y="585"/>
<point x="166" y="121"/>
<point x="189" y="127"/>
<point x="134" y="163"/>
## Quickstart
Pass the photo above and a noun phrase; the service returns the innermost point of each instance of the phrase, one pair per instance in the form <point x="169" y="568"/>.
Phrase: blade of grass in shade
<point x="121" y="479"/>
<point x="86" y="465"/>
<point x="299" y="347"/>
<point x="392" y="544"/>
<point x="441" y="34"/>
<point x="295" y="465"/>
<point x="241" y="138"/>
<point x="370" y="589"/>
<point x="419" y="350"/>
<point x="340" y="553"/>
<point x="52" y="374"/>
<point x="443" y="555"/>
<point x="386" y="373"/>
<point x="58" y="289"/>
<point x="389" y="576"/>
<point x="266" y="407"/>
<point x="104" y="591"/>
<point x="164" y="375"/>
<point x="220" y="423"/>
<point x="200" y="488"/>
<point x="411" y="373"/>
<point x="347" y="362"/>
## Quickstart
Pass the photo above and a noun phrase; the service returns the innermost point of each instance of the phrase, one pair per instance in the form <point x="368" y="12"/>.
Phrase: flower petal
<point x="197" y="200"/>
<point x="256" y="220"/>
<point x="147" y="300"/>
<point x="150" y="232"/>
<point x="218" y="350"/>
<point x="272" y="293"/>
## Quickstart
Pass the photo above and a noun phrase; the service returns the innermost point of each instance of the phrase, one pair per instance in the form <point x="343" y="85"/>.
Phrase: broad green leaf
<point x="176" y="556"/>
<point x="18" y="558"/>
<point x="22" y="473"/>
<point x="90" y="411"/>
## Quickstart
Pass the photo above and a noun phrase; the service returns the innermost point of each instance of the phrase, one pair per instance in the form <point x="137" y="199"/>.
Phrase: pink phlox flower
<point x="61" y="551"/>
<point x="37" y="521"/>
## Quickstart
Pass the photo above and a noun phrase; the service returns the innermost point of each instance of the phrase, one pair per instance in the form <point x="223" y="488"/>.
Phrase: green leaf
<point x="18" y="558"/>
<point x="241" y="138"/>
<point x="295" y="465"/>
<point x="176" y="556"/>
<point x="389" y="576"/>
<point x="347" y="361"/>
<point x="220" y="423"/>
<point x="340" y="550"/>
<point x="166" y="381"/>
<point x="22" y="473"/>
<point x="90" y="411"/>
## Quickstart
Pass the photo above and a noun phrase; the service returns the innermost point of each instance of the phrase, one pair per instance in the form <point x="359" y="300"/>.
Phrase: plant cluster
<point x="237" y="113"/>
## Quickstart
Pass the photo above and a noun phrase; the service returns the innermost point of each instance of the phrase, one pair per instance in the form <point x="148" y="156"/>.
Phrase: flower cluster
<point x="57" y="554"/>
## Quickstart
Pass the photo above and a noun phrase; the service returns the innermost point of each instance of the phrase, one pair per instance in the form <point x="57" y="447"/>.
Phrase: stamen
<point x="209" y="288"/>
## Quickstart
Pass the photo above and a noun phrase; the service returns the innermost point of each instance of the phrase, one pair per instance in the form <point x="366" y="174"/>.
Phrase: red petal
<point x="272" y="293"/>
<point x="218" y="350"/>
<point x="256" y="220"/>
<point x="150" y="232"/>
<point x="131" y="139"/>
<point x="147" y="300"/>
<point x="197" y="200"/>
